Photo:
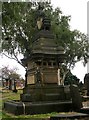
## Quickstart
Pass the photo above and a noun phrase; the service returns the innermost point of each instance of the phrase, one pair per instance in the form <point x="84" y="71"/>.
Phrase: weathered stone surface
<point x="45" y="93"/>
<point x="14" y="107"/>
<point x="86" y="83"/>
<point x="18" y="108"/>
<point x="47" y="107"/>
<point x="42" y="93"/>
<point x="76" y="98"/>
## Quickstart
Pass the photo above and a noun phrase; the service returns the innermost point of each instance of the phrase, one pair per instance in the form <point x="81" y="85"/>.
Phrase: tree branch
<point x="16" y="59"/>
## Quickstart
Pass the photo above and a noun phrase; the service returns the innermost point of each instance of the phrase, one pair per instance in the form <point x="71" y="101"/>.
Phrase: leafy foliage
<point x="19" y="27"/>
<point x="71" y="79"/>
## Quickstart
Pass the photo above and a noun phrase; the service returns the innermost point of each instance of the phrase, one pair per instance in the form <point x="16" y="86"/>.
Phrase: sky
<point x="77" y="9"/>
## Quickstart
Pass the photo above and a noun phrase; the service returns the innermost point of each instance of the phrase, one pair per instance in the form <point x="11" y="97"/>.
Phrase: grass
<point x="9" y="95"/>
<point x="0" y="105"/>
<point x="31" y="117"/>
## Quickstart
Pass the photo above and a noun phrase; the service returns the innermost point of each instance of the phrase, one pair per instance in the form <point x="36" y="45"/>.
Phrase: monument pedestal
<point x="40" y="99"/>
<point x="45" y="93"/>
<point x="45" y="99"/>
<point x="19" y="108"/>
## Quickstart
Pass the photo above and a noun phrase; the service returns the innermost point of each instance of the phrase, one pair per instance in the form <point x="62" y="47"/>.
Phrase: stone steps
<point x="18" y="108"/>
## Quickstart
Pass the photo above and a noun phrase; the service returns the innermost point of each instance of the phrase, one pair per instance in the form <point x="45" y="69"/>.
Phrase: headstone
<point x="86" y="83"/>
<point x="76" y="98"/>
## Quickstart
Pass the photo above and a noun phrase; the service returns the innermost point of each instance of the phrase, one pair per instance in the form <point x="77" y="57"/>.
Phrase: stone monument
<point x="43" y="92"/>
<point x="45" y="55"/>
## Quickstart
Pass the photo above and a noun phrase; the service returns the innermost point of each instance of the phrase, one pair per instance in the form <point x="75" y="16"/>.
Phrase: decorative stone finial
<point x="42" y="21"/>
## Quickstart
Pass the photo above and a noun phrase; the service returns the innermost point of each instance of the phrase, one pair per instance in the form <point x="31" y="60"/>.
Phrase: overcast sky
<point x="77" y="9"/>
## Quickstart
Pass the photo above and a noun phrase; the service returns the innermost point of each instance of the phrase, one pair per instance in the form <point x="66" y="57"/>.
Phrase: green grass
<point x="9" y="95"/>
<point x="38" y="116"/>
<point x="0" y="105"/>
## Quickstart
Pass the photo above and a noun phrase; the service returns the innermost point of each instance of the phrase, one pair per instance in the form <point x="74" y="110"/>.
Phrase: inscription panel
<point x="50" y="78"/>
<point x="31" y="79"/>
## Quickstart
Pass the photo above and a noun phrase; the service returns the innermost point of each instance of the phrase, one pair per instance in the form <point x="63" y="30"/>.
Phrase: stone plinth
<point x="44" y="93"/>
<point x="19" y="108"/>
<point x="37" y="99"/>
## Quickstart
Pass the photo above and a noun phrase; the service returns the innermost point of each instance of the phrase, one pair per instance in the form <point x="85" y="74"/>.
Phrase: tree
<point x="71" y="79"/>
<point x="9" y="75"/>
<point x="19" y="27"/>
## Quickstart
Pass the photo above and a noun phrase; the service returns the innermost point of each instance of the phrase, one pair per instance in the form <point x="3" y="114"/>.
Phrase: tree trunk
<point x="10" y="84"/>
<point x="6" y="82"/>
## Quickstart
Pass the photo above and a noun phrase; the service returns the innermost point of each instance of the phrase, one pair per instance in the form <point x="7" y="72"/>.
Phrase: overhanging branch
<point x="14" y="58"/>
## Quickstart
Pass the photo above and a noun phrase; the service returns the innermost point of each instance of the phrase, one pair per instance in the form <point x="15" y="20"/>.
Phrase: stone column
<point x="59" y="82"/>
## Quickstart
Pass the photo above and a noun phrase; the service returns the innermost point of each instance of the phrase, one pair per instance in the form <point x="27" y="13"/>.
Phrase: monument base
<point x="48" y="92"/>
<point x="45" y="99"/>
<point x="19" y="108"/>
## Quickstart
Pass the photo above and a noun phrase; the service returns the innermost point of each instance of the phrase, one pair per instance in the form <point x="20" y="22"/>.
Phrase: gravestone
<point x="86" y="83"/>
<point x="76" y="98"/>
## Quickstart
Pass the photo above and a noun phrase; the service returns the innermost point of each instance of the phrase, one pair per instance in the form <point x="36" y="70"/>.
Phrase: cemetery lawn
<point x="9" y="95"/>
<point x="0" y="108"/>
